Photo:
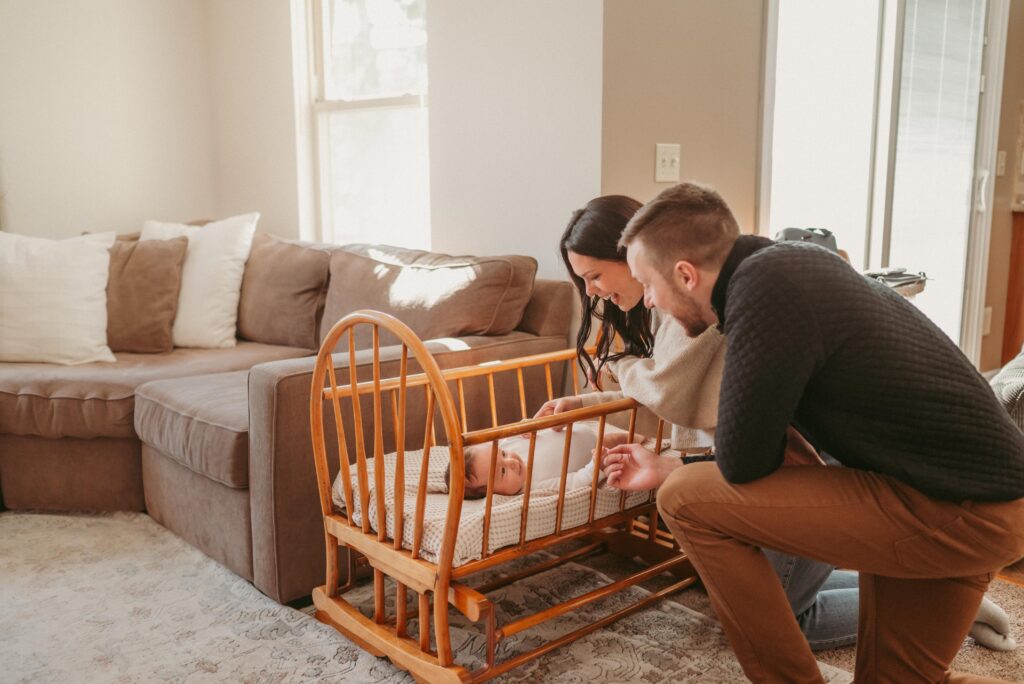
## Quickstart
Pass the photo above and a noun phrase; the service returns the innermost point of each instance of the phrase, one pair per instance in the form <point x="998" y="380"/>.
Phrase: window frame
<point x="320" y="111"/>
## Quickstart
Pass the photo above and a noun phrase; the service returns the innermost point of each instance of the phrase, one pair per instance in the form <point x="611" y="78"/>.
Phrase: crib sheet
<point x="506" y="511"/>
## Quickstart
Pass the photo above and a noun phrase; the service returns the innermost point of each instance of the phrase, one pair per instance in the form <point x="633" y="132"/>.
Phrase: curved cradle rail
<point x="355" y="424"/>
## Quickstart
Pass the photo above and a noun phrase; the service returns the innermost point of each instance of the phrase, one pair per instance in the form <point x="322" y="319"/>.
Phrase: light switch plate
<point x="666" y="163"/>
<point x="1001" y="163"/>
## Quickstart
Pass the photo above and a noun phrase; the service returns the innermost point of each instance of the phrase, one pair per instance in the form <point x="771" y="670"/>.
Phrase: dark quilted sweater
<point x="860" y="371"/>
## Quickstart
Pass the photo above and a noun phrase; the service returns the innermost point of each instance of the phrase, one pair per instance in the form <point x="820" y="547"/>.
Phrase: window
<point x="371" y="121"/>
<point x="934" y="162"/>
<point x="822" y="137"/>
<point x="871" y="129"/>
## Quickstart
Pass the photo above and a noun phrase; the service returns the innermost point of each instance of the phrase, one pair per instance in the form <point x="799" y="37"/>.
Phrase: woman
<point x="678" y="378"/>
<point x="610" y="295"/>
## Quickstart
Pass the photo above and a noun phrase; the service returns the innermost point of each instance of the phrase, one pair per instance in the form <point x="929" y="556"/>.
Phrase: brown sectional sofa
<point x="67" y="433"/>
<point x="214" y="443"/>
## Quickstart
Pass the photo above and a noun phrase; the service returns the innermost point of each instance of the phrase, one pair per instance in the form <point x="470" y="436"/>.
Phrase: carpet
<point x="117" y="598"/>
<point x="1007" y="592"/>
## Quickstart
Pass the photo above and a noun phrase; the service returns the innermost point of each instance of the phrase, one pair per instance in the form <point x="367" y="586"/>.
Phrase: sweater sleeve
<point x="773" y="348"/>
<point x="681" y="381"/>
<point x="594" y="398"/>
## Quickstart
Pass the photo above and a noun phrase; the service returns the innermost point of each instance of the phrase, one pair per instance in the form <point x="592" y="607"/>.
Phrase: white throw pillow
<point x="211" y="278"/>
<point x="53" y="298"/>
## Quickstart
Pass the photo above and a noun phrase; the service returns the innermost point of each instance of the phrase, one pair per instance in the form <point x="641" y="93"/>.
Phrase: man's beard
<point x="686" y="311"/>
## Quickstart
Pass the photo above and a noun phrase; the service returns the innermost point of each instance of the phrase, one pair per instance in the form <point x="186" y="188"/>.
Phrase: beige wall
<point x="116" y="111"/>
<point x="254" y="113"/>
<point x="515" y="123"/>
<point x="181" y="109"/>
<point x="687" y="73"/>
<point x="1004" y="189"/>
<point x="104" y="115"/>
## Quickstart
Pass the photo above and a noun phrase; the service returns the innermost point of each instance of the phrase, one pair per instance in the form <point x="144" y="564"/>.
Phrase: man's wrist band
<point x="708" y="455"/>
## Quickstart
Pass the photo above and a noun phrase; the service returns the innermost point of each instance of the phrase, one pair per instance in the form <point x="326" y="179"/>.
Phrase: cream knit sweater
<point x="679" y="383"/>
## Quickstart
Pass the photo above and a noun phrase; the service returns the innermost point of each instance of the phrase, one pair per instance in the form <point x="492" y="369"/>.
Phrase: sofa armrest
<point x="287" y="528"/>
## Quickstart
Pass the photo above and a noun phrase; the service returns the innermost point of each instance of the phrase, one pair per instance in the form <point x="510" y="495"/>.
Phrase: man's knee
<point x="684" y="486"/>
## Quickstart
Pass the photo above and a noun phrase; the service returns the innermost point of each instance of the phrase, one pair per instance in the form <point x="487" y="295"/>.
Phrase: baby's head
<point x="508" y="479"/>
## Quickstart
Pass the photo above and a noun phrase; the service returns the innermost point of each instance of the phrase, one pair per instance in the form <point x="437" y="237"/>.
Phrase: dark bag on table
<point x="816" y="236"/>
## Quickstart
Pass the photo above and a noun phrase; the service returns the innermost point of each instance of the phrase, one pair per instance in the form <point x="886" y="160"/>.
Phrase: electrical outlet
<point x="666" y="163"/>
<point x="986" y="321"/>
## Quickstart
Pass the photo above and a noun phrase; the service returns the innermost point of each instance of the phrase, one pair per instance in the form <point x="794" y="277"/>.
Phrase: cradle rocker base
<point x="380" y="640"/>
<point x="406" y="652"/>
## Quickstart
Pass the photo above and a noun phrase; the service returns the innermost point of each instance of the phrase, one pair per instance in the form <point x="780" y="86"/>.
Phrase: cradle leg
<point x="380" y="640"/>
<point x="627" y="545"/>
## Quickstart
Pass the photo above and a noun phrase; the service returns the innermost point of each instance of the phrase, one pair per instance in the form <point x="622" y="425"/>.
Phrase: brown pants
<point x="924" y="564"/>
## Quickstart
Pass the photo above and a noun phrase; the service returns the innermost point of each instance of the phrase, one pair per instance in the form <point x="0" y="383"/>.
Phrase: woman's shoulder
<point x="670" y="331"/>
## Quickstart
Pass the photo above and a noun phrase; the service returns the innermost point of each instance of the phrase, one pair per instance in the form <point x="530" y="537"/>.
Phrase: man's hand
<point x="633" y="468"/>
<point x="560" y="405"/>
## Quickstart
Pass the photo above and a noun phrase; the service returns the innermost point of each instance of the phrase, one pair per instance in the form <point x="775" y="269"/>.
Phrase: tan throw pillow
<point x="436" y="295"/>
<point x="283" y="292"/>
<point x="142" y="294"/>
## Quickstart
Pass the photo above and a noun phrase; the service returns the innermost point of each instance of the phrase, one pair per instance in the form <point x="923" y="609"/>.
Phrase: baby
<point x="510" y="467"/>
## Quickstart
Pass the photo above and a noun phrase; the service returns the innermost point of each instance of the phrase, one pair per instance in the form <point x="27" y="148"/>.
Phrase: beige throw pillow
<point x="142" y="294"/>
<point x="53" y="299"/>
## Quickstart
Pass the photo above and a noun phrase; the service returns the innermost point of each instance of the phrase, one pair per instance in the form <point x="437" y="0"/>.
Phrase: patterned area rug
<point x="117" y="598"/>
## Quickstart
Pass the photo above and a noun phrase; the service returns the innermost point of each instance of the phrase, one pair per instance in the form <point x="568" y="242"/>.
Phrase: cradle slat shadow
<point x="444" y="416"/>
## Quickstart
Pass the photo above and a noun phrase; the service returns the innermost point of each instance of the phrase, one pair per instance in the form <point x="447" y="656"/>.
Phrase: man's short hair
<point x="687" y="222"/>
<point x="470" y="492"/>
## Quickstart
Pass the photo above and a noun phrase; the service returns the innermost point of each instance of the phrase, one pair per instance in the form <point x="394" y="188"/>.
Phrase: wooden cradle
<point x="630" y="532"/>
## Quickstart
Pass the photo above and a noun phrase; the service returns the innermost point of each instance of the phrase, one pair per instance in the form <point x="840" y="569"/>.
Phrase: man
<point x="928" y="506"/>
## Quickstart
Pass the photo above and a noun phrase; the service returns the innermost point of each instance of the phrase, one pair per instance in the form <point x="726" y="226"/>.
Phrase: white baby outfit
<point x="547" y="457"/>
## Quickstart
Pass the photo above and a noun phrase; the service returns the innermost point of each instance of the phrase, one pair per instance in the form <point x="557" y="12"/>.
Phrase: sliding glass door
<point x="824" y="106"/>
<point x="933" y="174"/>
<point x="870" y="131"/>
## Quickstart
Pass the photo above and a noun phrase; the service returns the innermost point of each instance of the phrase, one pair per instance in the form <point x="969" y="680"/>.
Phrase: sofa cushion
<point x="97" y="399"/>
<point x="200" y="422"/>
<point x="142" y="294"/>
<point x="436" y="295"/>
<point x="283" y="292"/>
<point x="1008" y="384"/>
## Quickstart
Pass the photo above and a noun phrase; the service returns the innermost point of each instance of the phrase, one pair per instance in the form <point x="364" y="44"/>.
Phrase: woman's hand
<point x="560" y="405"/>
<point x="632" y="468"/>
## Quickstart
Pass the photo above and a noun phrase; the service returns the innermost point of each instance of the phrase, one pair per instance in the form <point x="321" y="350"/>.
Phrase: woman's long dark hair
<point x="594" y="231"/>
